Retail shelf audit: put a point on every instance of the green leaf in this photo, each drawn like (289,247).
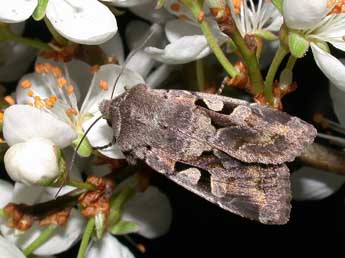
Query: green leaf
(40,10)
(124,227)
(298,45)
(278,4)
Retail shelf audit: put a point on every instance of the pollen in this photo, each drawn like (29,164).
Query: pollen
(338,6)
(1,117)
(71,112)
(38,102)
(56,71)
(61,82)
(237,5)
(41,68)
(175,7)
(94,68)
(9,100)
(30,93)
(25,84)
(103,85)
(70,89)
(50,102)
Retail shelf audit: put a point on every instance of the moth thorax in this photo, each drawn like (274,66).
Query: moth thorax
(104,107)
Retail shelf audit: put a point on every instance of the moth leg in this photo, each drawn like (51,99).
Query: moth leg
(105,146)
(221,88)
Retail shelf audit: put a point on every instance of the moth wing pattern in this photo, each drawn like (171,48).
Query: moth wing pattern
(228,151)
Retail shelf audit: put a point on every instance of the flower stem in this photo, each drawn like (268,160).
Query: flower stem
(200,76)
(196,9)
(82,185)
(278,58)
(31,42)
(86,237)
(291,63)
(118,200)
(45,235)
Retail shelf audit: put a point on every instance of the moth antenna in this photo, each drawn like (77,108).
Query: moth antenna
(153,29)
(75,153)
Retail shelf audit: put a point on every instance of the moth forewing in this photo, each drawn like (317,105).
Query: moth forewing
(228,151)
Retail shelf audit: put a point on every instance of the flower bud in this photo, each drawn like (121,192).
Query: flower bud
(34,162)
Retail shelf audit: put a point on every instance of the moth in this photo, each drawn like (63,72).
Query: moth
(228,151)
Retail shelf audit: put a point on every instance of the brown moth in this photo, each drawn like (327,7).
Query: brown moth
(226,150)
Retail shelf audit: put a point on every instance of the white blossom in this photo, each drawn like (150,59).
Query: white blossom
(315,20)
(81,21)
(9,250)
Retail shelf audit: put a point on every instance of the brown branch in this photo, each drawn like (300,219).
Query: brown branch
(326,158)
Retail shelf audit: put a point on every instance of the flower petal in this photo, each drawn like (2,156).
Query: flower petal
(108,247)
(148,12)
(23,122)
(83,21)
(127,3)
(151,210)
(9,250)
(338,97)
(13,11)
(314,184)
(183,50)
(158,76)
(6,192)
(330,66)
(304,14)
(114,48)
(101,134)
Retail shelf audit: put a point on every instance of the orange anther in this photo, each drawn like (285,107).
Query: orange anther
(56,71)
(40,68)
(30,93)
(38,103)
(201,16)
(175,7)
(70,89)
(10,100)
(1,117)
(25,84)
(71,112)
(61,82)
(237,5)
(103,85)
(94,68)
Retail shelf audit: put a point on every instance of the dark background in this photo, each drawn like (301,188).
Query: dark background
(201,229)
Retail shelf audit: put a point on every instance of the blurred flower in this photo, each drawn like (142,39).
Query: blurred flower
(63,238)
(33,162)
(9,250)
(82,21)
(320,23)
(15,58)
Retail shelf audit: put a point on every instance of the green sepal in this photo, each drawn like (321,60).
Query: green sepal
(40,10)
(85,149)
(278,4)
(124,227)
(298,45)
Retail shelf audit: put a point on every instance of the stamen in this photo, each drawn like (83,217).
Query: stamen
(25,84)
(10,100)
(1,117)
(337,6)
(237,5)
(175,7)
(41,68)
(71,112)
(56,71)
(103,85)
(38,102)
(94,68)
(70,89)
(30,93)
(61,82)
(50,102)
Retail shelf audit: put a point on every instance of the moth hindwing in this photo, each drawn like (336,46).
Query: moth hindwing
(228,151)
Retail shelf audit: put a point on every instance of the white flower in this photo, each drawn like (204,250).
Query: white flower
(319,26)
(187,42)
(81,21)
(63,238)
(108,247)
(9,250)
(15,58)
(127,3)
(34,162)
(151,211)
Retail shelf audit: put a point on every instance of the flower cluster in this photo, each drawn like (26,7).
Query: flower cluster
(63,72)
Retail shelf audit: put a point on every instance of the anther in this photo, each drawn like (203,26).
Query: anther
(103,85)
(25,84)
(71,112)
(61,82)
